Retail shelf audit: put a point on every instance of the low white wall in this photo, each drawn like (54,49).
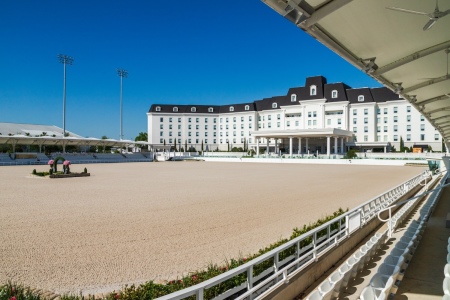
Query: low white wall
(224,154)
(374,162)
(401,155)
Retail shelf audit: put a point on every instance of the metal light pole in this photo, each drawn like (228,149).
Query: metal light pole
(65,60)
(122,73)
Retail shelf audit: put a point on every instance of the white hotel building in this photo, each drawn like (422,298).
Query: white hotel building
(317,118)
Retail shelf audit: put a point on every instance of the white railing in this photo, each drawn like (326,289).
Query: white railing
(263,274)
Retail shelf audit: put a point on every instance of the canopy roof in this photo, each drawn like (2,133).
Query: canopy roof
(389,45)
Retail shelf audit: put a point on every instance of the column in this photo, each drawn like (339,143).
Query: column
(257,146)
(307,150)
(328,146)
(342,146)
(267,150)
(335,145)
(290,146)
(384,149)
(300,146)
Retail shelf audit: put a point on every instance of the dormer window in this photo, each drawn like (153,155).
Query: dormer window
(247,107)
(231,108)
(274,105)
(313,90)
(293,98)
(158,108)
(175,109)
(334,94)
(361,98)
(193,109)
(210,109)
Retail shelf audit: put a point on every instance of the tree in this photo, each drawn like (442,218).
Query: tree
(202,145)
(402,145)
(142,137)
(185,145)
(175,144)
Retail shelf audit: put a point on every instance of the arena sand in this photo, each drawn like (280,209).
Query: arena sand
(134,222)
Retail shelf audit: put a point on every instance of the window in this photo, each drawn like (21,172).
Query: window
(234,133)
(313,90)
(378,128)
(214,141)
(422,118)
(161,141)
(360,98)
(242,119)
(170,126)
(395,138)
(226,120)
(309,114)
(293,98)
(242,126)
(234,126)
(170,133)
(395,119)
(269,117)
(175,109)
(378,111)
(278,124)
(179,126)
(366,138)
(210,109)
(422,127)
(274,105)
(197,120)
(378,120)
(250,125)
(355,129)
(197,134)
(249,118)
(408,108)
(196,127)
(189,127)
(206,141)
(179,133)
(189,120)
(242,133)
(408,127)
(189,133)
(214,134)
(354,120)
(385,129)
(206,127)
(366,111)
(314,122)
(161,119)
(206,120)
(231,108)
(408,118)
(234,119)
(220,120)
(278,117)
(161,133)
(422,137)
(158,108)
(366,120)
(354,112)
(247,107)
(334,94)
(339,121)
(385,120)
(179,120)
(179,141)
(296,123)
(161,126)
(288,123)
(269,125)
(215,120)
(170,141)
(366,129)
(328,121)
(226,127)
(436,137)
(309,122)
(314,114)
(378,138)
(395,128)
(395,109)
(193,109)
(189,141)
(408,137)
(385,111)
(196,141)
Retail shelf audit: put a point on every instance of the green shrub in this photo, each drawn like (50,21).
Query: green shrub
(85,170)
(50,171)
(34,172)
(351,154)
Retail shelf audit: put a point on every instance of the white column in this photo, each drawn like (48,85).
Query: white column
(342,145)
(267,150)
(307,150)
(290,146)
(328,146)
(299,145)
(335,145)
(257,146)
(384,149)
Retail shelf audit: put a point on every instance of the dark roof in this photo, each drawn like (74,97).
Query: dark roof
(324,90)
(384,94)
(353,95)
(340,88)
(240,107)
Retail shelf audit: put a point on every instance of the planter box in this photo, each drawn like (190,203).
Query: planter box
(70,175)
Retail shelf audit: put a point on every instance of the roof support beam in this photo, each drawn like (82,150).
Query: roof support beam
(440,118)
(412,57)
(426,83)
(431,100)
(436,111)
(325,11)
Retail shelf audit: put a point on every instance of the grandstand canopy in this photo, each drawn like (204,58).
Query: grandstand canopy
(30,134)
(388,44)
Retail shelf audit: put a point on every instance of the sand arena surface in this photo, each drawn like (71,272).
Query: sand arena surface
(134,222)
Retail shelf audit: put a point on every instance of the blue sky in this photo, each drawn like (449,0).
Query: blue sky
(184,52)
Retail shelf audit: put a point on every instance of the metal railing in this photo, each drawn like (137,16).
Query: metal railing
(263,274)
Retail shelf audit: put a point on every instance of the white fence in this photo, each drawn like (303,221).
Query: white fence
(261,275)
(410,156)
